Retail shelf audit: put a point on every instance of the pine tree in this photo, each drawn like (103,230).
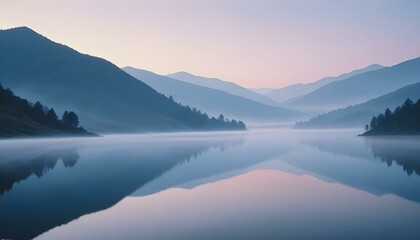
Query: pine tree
(70,119)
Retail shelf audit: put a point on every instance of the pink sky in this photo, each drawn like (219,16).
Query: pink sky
(263,43)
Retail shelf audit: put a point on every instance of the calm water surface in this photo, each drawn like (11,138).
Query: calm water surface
(265,184)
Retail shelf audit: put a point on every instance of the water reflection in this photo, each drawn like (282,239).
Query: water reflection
(404,151)
(22,167)
(215,164)
(103,171)
(106,172)
(262,204)
(352,161)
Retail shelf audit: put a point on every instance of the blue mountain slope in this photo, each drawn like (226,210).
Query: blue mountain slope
(106,98)
(214,101)
(360,88)
(225,86)
(360,114)
(297,90)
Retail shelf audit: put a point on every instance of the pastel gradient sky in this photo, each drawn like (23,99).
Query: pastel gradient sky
(259,43)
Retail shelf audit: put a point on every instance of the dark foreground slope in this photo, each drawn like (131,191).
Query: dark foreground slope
(19,118)
(106,98)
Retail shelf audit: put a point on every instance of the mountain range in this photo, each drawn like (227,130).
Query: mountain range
(225,86)
(297,90)
(214,101)
(359,88)
(262,90)
(361,114)
(106,98)
(109,99)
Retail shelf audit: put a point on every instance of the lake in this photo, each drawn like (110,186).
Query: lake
(259,184)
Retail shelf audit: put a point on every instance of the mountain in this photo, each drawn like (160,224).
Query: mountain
(19,118)
(359,88)
(213,101)
(404,120)
(360,114)
(300,89)
(262,90)
(224,86)
(106,98)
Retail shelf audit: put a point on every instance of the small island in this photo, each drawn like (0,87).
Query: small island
(20,118)
(404,120)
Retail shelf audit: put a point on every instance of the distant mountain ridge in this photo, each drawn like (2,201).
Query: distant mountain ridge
(262,90)
(106,98)
(213,101)
(359,88)
(297,90)
(225,86)
(358,115)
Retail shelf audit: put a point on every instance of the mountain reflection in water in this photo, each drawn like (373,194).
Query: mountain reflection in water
(51,182)
(107,170)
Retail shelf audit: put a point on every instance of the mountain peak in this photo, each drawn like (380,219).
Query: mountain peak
(49,72)
(23,32)
(183,73)
(375,66)
(222,85)
(22,29)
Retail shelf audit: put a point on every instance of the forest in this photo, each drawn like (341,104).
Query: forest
(19,117)
(404,120)
(197,119)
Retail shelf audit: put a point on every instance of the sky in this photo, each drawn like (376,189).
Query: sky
(259,43)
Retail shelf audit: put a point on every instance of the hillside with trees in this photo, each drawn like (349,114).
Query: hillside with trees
(20,118)
(107,99)
(214,101)
(357,115)
(199,120)
(359,88)
(404,120)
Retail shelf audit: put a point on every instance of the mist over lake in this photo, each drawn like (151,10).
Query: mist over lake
(242,185)
(210,120)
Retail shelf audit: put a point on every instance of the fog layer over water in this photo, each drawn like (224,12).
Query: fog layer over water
(247,185)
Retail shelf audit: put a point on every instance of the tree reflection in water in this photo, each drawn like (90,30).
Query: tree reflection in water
(405,153)
(21,168)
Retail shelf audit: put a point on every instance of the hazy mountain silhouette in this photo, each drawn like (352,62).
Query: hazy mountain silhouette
(297,90)
(106,98)
(20,118)
(262,90)
(360,114)
(213,101)
(360,88)
(224,86)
